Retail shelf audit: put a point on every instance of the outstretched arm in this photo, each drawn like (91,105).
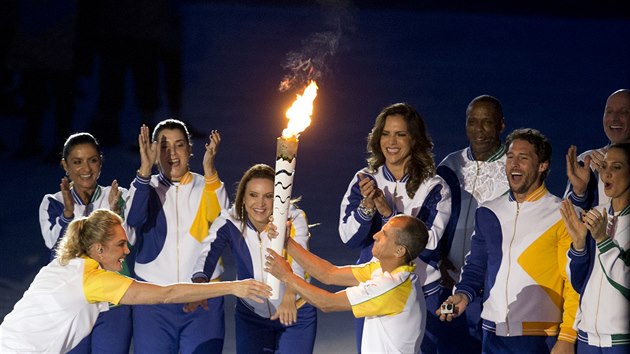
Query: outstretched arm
(319,268)
(140,293)
(322,299)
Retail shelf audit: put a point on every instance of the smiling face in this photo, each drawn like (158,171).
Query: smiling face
(396,142)
(83,167)
(484,124)
(114,250)
(258,201)
(524,171)
(617,117)
(615,174)
(174,153)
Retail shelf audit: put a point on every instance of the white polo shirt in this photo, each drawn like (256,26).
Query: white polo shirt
(60,307)
(394,313)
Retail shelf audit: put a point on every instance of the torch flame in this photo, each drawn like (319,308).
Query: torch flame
(299,114)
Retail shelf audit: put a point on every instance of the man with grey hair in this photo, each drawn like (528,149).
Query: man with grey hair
(382,290)
(585,189)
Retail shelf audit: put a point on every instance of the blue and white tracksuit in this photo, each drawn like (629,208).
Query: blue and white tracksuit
(431,204)
(472,182)
(169,227)
(595,189)
(114,322)
(255,332)
(518,258)
(600,273)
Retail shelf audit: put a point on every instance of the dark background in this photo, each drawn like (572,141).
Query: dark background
(552,65)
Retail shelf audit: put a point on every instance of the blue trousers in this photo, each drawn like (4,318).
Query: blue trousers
(493,344)
(111,333)
(167,329)
(256,334)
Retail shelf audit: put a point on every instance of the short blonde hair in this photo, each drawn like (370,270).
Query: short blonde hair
(82,233)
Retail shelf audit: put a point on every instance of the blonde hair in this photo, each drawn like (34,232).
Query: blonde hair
(82,233)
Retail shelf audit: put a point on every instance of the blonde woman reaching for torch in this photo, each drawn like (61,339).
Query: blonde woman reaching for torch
(61,305)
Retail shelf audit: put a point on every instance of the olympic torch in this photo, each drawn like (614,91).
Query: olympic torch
(299,116)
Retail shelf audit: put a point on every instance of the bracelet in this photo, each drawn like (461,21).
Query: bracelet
(141,175)
(369,212)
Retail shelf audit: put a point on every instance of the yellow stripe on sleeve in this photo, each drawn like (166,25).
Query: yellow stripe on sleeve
(100,285)
(209,209)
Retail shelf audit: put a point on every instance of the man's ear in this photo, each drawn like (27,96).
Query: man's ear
(543,166)
(400,251)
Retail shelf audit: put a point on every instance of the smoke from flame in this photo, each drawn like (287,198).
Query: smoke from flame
(299,114)
(313,61)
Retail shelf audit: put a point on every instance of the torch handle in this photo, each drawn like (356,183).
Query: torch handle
(283,184)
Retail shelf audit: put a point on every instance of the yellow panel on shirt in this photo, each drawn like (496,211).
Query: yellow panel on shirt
(100,285)
(379,294)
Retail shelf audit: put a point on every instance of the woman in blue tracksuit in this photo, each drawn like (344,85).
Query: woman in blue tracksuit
(169,217)
(400,179)
(79,195)
(598,265)
(280,325)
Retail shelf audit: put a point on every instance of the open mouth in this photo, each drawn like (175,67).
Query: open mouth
(259,210)
(516,176)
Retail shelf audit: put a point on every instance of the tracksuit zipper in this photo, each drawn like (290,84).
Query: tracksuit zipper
(509,262)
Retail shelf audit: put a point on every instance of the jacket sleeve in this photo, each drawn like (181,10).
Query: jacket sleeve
(354,225)
(570,296)
(452,181)
(475,265)
(137,210)
(51,221)
(435,212)
(213,200)
(578,266)
(219,237)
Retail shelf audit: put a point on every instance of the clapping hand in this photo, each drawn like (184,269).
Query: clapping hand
(114,197)
(578,175)
(596,222)
(575,227)
(68,202)
(148,151)
(212,147)
(373,197)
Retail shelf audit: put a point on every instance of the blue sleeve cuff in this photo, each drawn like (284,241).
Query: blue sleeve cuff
(363,216)
(63,221)
(469,295)
(200,275)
